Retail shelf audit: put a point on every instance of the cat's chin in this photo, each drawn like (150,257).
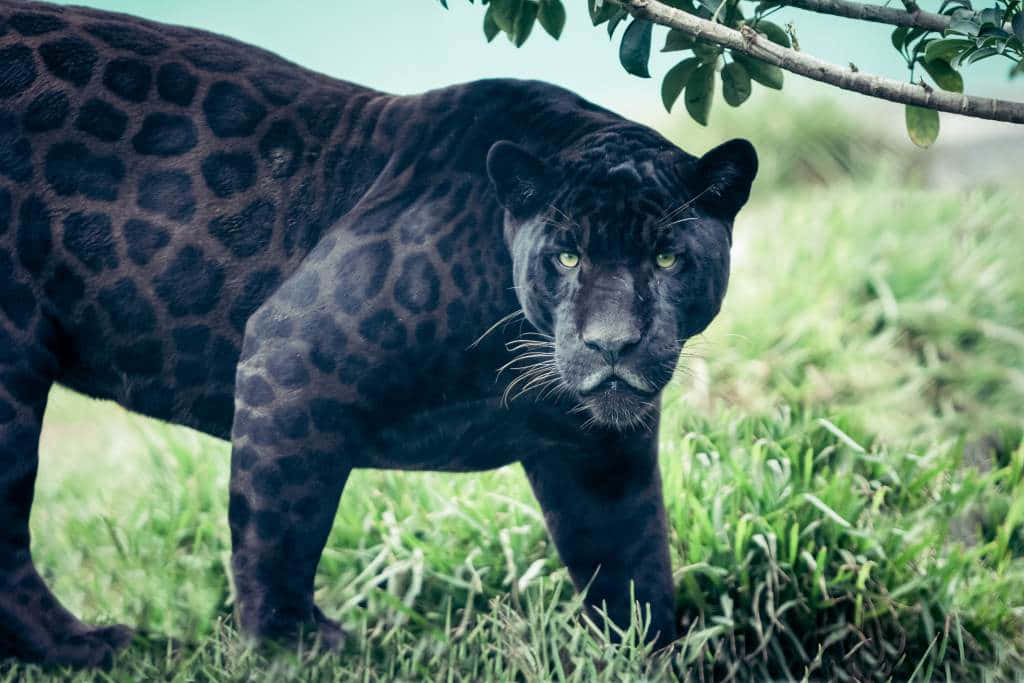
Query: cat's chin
(618,405)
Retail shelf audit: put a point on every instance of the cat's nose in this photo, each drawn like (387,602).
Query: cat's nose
(611,341)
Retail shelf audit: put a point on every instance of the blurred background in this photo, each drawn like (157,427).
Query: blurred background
(877,297)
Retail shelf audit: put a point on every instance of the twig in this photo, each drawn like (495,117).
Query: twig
(876,13)
(749,42)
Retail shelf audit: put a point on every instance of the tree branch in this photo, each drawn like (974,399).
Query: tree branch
(749,42)
(876,13)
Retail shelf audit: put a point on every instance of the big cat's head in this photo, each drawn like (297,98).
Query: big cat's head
(620,250)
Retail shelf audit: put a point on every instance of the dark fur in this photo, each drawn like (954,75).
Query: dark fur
(210,235)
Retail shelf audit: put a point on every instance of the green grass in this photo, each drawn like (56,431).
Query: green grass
(842,456)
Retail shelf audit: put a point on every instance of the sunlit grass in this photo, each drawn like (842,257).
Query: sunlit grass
(900,308)
(842,464)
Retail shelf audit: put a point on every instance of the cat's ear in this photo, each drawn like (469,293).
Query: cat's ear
(522,181)
(723,177)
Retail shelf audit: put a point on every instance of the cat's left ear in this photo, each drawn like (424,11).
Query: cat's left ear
(521,180)
(725,175)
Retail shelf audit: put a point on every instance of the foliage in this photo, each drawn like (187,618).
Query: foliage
(973,35)
(842,459)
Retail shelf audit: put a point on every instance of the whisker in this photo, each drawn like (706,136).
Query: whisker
(682,208)
(686,219)
(543,380)
(523,357)
(569,221)
(552,388)
(515,383)
(669,214)
(507,319)
(529,344)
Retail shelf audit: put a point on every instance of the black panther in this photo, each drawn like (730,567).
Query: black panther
(333,277)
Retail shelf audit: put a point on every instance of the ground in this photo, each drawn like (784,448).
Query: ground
(842,457)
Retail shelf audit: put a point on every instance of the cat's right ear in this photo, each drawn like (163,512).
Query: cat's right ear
(727,172)
(522,181)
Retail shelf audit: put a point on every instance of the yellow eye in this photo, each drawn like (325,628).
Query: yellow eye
(569,259)
(665,260)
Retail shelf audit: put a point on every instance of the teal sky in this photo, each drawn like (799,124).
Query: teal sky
(407,46)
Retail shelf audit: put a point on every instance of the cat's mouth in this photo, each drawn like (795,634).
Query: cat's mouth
(616,385)
(610,380)
(616,401)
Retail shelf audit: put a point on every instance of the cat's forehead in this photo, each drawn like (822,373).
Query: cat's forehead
(624,191)
(627,201)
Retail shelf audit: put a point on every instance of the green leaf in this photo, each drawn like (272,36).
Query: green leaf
(981,54)
(706,52)
(944,75)
(713,6)
(766,5)
(505,13)
(764,73)
(914,34)
(954,4)
(675,80)
(524,22)
(1018,25)
(733,16)
(600,10)
(899,37)
(700,90)
(491,29)
(996,36)
(946,48)
(773,32)
(735,84)
(922,125)
(552,17)
(613,23)
(677,40)
(992,16)
(966,26)
(635,49)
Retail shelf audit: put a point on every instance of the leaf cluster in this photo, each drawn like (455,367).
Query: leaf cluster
(696,77)
(972,36)
(515,18)
(705,67)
